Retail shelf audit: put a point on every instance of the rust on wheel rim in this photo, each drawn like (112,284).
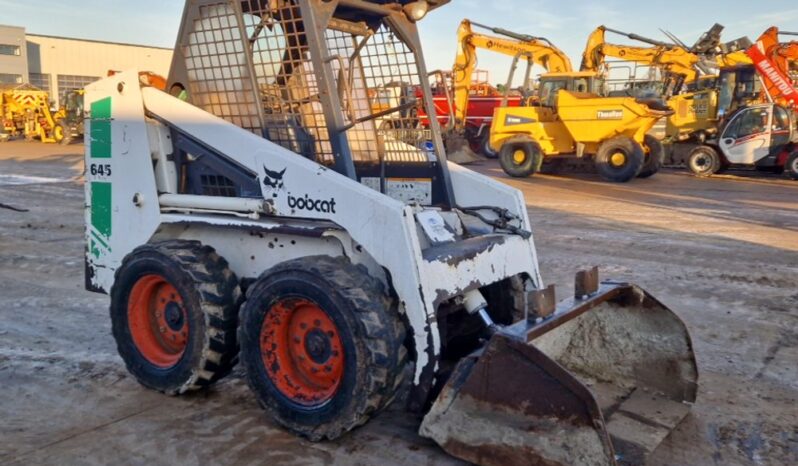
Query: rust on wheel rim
(302,351)
(158,321)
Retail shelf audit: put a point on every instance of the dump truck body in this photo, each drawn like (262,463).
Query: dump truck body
(577,118)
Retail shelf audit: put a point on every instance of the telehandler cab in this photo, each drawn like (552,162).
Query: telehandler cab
(268,220)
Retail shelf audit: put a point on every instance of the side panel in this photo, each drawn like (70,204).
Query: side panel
(118,170)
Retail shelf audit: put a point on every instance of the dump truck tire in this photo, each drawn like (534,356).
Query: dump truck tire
(654,158)
(619,159)
(704,161)
(323,345)
(520,158)
(484,146)
(174,314)
(791,168)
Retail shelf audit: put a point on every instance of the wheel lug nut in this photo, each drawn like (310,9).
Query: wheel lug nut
(163,329)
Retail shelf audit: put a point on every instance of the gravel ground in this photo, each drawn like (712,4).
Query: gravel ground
(722,253)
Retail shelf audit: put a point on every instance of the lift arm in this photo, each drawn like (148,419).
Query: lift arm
(784,55)
(778,85)
(537,49)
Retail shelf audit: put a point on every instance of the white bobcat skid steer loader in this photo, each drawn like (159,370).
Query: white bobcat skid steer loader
(268,221)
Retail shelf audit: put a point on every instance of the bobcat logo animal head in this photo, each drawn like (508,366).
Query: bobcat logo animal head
(273,179)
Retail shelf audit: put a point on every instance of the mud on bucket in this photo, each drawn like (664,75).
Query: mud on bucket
(601,381)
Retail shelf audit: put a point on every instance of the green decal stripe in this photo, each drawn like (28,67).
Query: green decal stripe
(101,208)
(101,129)
(96,237)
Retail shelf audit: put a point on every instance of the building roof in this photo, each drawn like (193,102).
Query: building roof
(97,41)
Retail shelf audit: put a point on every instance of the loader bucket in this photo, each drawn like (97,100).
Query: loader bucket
(601,381)
(458,150)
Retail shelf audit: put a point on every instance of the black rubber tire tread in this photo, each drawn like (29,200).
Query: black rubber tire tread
(654,159)
(484,146)
(532,163)
(379,324)
(715,162)
(634,154)
(215,293)
(791,167)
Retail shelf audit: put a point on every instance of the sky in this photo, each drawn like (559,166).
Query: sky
(566,23)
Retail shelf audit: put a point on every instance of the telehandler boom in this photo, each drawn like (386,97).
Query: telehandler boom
(266,219)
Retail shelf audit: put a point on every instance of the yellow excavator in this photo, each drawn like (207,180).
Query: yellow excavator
(701,83)
(570,118)
(470,116)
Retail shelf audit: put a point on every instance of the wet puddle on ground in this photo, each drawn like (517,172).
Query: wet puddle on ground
(18,180)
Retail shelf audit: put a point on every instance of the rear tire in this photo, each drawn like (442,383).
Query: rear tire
(174,315)
(322,344)
(520,158)
(654,157)
(704,161)
(791,168)
(619,159)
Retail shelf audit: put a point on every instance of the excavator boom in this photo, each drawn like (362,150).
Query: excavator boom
(536,49)
(669,57)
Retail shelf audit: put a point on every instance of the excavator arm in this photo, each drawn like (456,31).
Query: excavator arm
(668,57)
(536,49)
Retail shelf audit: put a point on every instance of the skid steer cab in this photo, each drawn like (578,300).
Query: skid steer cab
(572,120)
(265,218)
(760,136)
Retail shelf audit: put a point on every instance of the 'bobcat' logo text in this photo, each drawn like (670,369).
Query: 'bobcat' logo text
(312,205)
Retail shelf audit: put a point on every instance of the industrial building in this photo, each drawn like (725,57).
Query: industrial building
(61,64)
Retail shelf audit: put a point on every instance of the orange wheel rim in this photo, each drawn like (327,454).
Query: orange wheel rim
(158,321)
(302,351)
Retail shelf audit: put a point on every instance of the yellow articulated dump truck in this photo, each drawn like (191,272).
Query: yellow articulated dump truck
(571,119)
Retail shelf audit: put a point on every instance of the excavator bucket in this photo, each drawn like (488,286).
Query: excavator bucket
(458,150)
(602,379)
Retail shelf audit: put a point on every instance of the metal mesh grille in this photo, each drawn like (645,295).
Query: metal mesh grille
(371,77)
(217,185)
(216,64)
(293,115)
(384,76)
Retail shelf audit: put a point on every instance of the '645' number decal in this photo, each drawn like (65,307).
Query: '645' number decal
(100,169)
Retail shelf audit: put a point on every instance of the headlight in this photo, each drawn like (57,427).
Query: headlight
(416,11)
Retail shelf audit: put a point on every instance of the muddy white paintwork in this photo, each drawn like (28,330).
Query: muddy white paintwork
(354,220)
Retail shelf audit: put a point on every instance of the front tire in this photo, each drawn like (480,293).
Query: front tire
(619,159)
(791,168)
(322,344)
(521,158)
(174,315)
(654,157)
(704,161)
